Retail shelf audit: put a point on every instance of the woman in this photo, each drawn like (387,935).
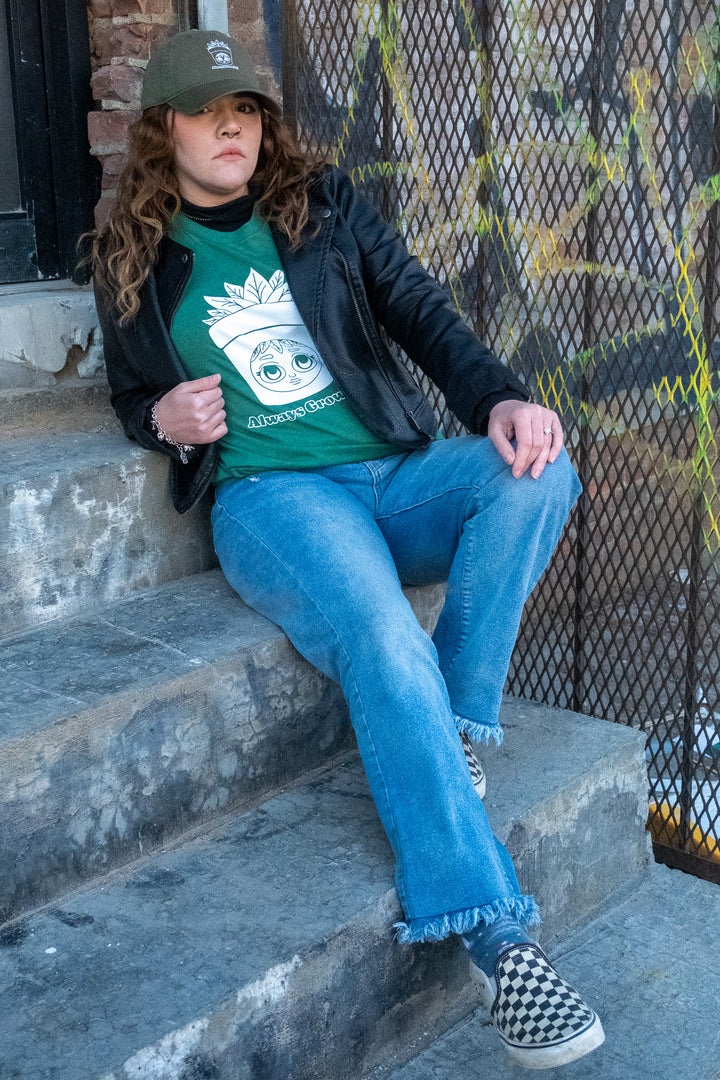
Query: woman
(241,288)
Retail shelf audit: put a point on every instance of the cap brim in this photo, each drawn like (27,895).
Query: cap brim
(197,97)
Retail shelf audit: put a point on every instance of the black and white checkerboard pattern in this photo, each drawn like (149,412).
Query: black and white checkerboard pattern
(534,1007)
(477,772)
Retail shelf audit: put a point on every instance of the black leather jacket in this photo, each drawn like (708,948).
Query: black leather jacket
(352,275)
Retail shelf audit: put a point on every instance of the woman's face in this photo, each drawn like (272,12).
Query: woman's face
(216,151)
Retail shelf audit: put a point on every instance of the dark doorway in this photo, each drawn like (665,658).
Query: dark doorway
(49,183)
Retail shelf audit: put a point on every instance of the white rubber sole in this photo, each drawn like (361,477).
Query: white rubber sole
(546,1057)
(560,1054)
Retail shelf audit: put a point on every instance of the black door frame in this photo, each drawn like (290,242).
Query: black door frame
(59,179)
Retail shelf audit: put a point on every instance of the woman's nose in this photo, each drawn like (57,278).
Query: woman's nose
(230,123)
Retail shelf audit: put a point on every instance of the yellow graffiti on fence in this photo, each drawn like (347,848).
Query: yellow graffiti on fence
(512,199)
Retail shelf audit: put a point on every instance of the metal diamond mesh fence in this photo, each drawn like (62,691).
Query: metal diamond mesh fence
(557,168)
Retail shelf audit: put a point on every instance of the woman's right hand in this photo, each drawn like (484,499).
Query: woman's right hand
(193,412)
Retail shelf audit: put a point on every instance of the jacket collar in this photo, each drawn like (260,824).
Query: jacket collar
(305,276)
(304,269)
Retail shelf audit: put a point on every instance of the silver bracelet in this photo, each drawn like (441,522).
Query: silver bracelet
(183,449)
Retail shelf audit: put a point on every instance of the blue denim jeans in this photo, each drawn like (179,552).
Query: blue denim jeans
(324,554)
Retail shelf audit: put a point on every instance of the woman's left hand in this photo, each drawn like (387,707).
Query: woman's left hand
(537,433)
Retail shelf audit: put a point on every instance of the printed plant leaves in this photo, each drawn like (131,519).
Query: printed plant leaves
(256,290)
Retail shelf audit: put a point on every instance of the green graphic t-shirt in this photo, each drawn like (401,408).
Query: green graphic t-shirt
(237,317)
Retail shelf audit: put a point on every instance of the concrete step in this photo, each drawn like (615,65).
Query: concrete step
(48,331)
(123,728)
(263,950)
(73,405)
(86,518)
(648,966)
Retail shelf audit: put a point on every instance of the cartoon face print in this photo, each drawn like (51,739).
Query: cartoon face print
(263,336)
(283,366)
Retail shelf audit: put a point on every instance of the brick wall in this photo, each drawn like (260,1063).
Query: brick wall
(123,34)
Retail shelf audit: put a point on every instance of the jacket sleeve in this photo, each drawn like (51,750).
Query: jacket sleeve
(418,316)
(137,380)
(130,395)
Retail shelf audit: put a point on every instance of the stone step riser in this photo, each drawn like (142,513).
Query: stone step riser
(646,966)
(349,1006)
(87,519)
(74,405)
(262,950)
(48,332)
(576,832)
(115,783)
(152,719)
(265,948)
(334,1013)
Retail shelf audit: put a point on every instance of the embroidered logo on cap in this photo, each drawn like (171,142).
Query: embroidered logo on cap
(222,55)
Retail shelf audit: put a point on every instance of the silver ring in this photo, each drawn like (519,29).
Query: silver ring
(547,431)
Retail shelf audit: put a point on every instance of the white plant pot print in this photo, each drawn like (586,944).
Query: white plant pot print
(260,330)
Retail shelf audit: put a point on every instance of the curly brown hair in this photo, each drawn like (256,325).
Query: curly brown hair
(123,252)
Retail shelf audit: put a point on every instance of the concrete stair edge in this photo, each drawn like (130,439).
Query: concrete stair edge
(47,329)
(329,994)
(585,838)
(72,405)
(646,964)
(86,518)
(158,713)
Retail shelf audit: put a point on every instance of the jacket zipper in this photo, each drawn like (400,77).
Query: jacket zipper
(181,289)
(363,322)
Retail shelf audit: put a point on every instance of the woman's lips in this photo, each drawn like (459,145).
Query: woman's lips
(230,154)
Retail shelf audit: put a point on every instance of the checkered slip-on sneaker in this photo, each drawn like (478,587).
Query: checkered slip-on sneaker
(541,1021)
(477,773)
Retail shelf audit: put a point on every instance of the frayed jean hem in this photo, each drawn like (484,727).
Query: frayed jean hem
(480,733)
(522,908)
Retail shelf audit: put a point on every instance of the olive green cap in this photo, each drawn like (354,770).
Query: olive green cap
(193,68)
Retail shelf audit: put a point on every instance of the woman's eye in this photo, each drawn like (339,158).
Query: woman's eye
(271,372)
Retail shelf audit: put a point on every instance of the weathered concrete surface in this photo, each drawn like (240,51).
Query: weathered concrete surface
(85,519)
(648,966)
(73,405)
(40,326)
(573,797)
(263,951)
(122,729)
(242,955)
